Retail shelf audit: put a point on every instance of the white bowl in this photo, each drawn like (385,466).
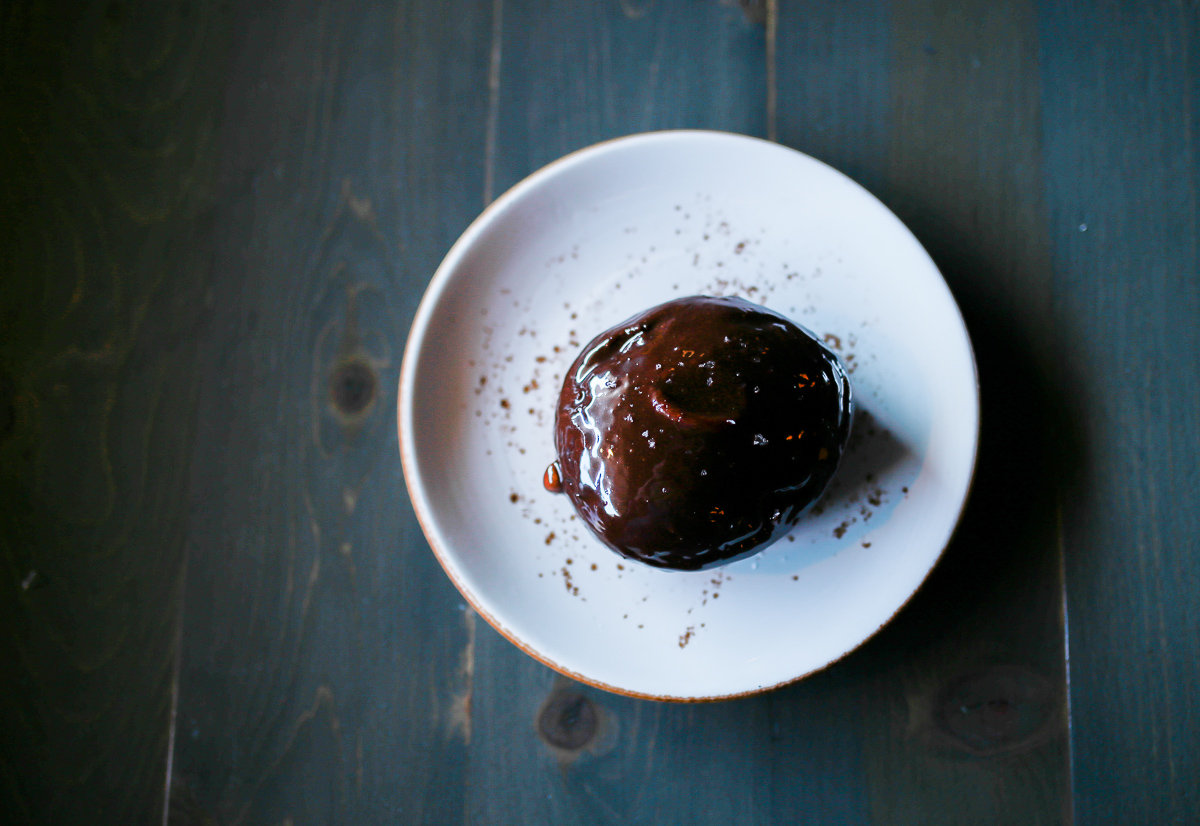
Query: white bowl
(609,231)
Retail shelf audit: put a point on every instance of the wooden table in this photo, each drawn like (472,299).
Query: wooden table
(218,219)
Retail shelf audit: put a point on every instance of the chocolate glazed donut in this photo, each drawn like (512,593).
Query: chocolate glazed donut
(698,431)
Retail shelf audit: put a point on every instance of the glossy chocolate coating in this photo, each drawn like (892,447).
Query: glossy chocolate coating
(698,431)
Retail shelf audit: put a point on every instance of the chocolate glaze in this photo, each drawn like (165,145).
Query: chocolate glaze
(699,430)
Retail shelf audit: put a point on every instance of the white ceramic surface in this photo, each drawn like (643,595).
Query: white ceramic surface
(607,232)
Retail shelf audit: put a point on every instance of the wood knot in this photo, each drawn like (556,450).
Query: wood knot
(997,710)
(352,388)
(567,720)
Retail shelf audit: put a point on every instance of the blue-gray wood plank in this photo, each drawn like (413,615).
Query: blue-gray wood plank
(106,120)
(322,675)
(217,224)
(1120,116)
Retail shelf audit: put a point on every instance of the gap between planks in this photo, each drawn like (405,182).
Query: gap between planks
(493,110)
(772,27)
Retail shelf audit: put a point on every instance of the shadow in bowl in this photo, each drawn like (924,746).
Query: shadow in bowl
(870,481)
(873,453)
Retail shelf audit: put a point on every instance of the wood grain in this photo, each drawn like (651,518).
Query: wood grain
(326,672)
(577,73)
(107,151)
(1122,97)
(217,222)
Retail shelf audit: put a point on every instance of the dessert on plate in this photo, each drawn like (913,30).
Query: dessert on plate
(698,431)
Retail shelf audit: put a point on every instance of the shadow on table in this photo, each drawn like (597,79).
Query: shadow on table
(982,639)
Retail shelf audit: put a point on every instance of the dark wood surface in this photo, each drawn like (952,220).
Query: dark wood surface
(217,221)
